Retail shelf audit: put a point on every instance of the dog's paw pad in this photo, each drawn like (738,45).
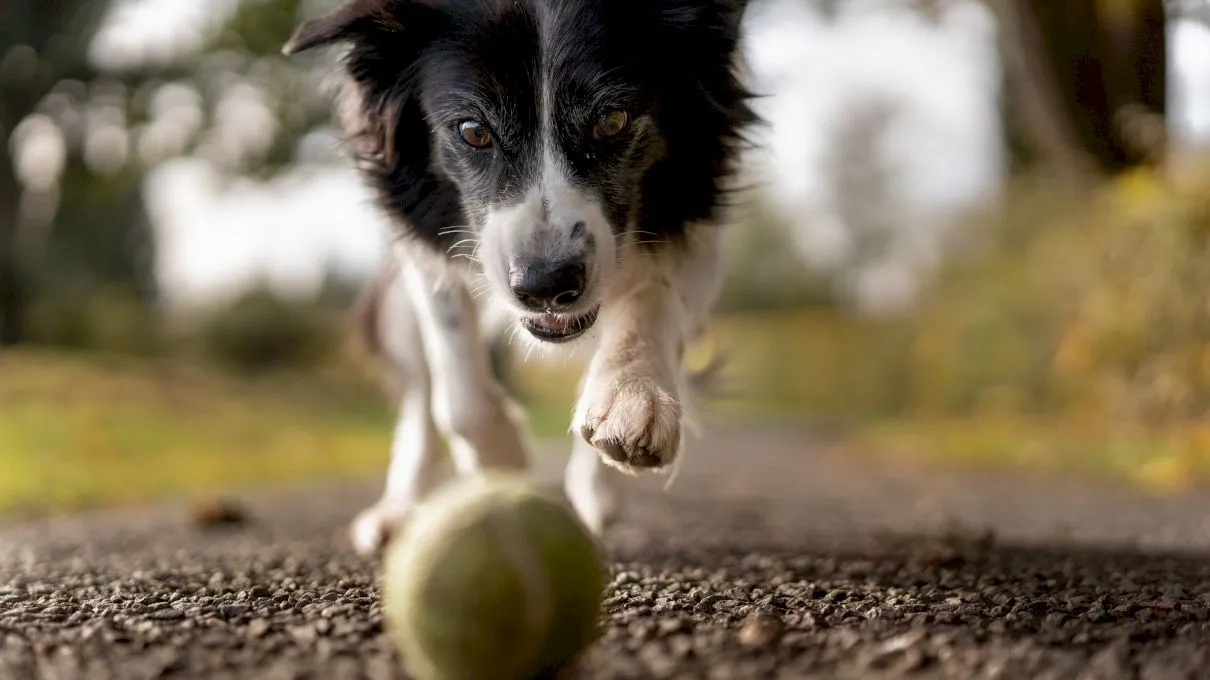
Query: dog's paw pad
(640,457)
(635,424)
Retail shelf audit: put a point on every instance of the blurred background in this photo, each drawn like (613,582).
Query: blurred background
(976,234)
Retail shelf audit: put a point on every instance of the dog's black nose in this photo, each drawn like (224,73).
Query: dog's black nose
(547,287)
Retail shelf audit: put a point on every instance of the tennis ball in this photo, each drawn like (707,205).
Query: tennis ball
(493,578)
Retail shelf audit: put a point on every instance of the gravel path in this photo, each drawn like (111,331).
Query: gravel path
(769,558)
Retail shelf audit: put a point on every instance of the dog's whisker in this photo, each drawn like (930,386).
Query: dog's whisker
(461,243)
(446,231)
(512,334)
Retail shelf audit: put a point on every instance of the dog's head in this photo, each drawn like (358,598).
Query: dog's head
(548,140)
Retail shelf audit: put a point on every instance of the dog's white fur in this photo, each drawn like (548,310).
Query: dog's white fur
(434,333)
(539,228)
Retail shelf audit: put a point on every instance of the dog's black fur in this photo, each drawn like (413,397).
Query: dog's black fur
(583,150)
(423,67)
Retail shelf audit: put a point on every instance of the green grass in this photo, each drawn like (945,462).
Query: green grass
(80,430)
(1177,459)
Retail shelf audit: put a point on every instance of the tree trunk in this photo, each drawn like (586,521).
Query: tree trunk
(12,298)
(1091,79)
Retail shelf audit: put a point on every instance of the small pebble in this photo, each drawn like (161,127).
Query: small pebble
(761,629)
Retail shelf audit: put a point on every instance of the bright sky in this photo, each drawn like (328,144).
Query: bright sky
(215,239)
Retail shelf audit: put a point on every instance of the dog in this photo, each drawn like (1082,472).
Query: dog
(554,169)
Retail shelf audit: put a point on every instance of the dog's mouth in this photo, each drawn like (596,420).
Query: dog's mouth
(557,328)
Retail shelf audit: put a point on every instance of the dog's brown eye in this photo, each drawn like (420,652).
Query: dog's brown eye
(610,124)
(475,133)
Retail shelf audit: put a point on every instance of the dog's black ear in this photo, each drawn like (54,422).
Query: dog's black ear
(736,7)
(338,25)
(734,10)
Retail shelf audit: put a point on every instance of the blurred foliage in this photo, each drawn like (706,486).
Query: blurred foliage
(261,331)
(1160,461)
(86,226)
(1084,307)
(764,272)
(242,68)
(110,319)
(80,429)
(1073,335)
(1096,313)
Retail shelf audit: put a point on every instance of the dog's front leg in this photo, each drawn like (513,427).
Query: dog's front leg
(416,452)
(630,408)
(431,338)
(469,405)
(588,486)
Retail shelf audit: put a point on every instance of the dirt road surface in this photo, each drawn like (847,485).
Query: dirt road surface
(769,558)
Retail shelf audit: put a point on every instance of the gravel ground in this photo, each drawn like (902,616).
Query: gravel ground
(769,558)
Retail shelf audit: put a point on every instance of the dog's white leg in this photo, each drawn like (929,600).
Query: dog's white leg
(589,486)
(630,408)
(468,404)
(416,453)
(415,468)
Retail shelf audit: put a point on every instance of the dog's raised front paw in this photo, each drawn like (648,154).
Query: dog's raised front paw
(375,526)
(632,421)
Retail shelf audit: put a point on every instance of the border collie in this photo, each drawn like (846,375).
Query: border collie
(553,167)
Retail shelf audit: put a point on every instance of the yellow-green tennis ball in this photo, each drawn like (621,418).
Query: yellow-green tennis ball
(493,578)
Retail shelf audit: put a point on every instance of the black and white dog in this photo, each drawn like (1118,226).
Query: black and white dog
(556,167)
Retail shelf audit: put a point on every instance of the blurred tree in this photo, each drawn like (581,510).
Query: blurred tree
(72,215)
(36,52)
(11,297)
(1090,78)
